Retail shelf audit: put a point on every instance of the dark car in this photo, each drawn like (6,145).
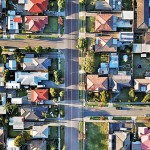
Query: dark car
(119,108)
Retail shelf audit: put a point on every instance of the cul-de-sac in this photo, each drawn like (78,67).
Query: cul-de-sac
(74,74)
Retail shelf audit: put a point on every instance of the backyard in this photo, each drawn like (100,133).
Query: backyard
(90,24)
(96,136)
(52,26)
(140,66)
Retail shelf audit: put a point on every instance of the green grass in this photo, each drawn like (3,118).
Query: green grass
(12,133)
(54,65)
(53,6)
(104,58)
(90,24)
(62,108)
(145,66)
(80,145)
(90,5)
(62,135)
(121,118)
(81,24)
(81,126)
(52,26)
(96,136)
(21,93)
(53,132)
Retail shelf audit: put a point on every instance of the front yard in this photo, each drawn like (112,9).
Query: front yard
(96,136)
(90,24)
(52,26)
(140,66)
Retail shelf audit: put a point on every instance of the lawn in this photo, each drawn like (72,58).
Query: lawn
(21,93)
(90,5)
(82,24)
(139,71)
(53,132)
(90,24)
(96,136)
(62,64)
(104,58)
(52,26)
(62,134)
(12,133)
(124,95)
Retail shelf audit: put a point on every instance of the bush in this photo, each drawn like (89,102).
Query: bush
(146,98)
(81,44)
(53,92)
(19,141)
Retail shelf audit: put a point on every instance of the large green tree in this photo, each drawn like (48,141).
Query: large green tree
(146,98)
(53,92)
(38,49)
(104,96)
(19,141)
(61,3)
(81,44)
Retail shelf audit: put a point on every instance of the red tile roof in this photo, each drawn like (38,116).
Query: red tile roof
(39,95)
(18,19)
(35,23)
(95,83)
(104,22)
(37,6)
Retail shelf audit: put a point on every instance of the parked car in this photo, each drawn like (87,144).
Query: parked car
(147,115)
(119,108)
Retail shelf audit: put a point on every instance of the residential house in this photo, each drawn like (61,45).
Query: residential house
(20,100)
(39,132)
(33,113)
(10,144)
(30,78)
(120,81)
(37,145)
(106,44)
(39,95)
(104,69)
(96,83)
(113,61)
(142,85)
(1,135)
(122,140)
(105,22)
(13,22)
(36,6)
(143,14)
(144,135)
(11,65)
(18,122)
(126,36)
(36,64)
(108,5)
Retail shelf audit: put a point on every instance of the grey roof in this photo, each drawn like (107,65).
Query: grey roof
(36,63)
(37,145)
(103,5)
(18,122)
(142,14)
(33,113)
(122,140)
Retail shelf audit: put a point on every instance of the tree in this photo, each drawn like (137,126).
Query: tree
(146,98)
(57,75)
(11,108)
(61,94)
(131,93)
(104,96)
(61,3)
(82,2)
(64,147)
(53,147)
(53,92)
(38,49)
(2,146)
(6,75)
(28,48)
(19,141)
(81,44)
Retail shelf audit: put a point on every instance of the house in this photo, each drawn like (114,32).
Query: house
(113,61)
(36,6)
(136,145)
(126,36)
(119,81)
(37,145)
(141,48)
(1,135)
(39,95)
(19,100)
(122,140)
(12,85)
(36,64)
(10,144)
(11,65)
(35,23)
(142,85)
(108,5)
(18,122)
(105,22)
(95,83)
(144,135)
(33,113)
(39,132)
(106,44)
(13,22)
(104,69)
(147,38)
(142,14)
(30,78)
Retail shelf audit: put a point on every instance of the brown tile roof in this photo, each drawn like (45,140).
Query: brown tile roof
(105,44)
(142,14)
(95,83)
(104,22)
(147,38)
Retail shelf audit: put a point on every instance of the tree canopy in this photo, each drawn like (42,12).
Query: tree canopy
(61,3)
(146,98)
(53,92)
(19,141)
(81,44)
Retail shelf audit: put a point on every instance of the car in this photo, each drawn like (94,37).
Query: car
(119,108)
(147,115)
